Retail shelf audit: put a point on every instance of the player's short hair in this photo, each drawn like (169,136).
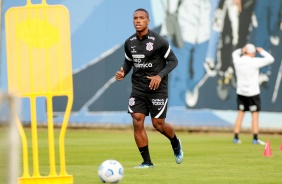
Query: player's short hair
(250,48)
(142,9)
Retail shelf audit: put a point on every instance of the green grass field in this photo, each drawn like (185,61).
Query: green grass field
(209,157)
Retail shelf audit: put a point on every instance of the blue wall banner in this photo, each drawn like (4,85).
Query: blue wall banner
(210,31)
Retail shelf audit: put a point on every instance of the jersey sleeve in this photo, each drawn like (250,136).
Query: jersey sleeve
(266,59)
(236,54)
(169,56)
(127,64)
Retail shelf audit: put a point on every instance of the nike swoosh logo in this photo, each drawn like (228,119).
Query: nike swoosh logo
(133,47)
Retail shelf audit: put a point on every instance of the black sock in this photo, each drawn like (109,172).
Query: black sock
(236,136)
(174,142)
(255,136)
(144,151)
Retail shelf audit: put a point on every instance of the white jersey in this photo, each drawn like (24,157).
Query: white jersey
(247,71)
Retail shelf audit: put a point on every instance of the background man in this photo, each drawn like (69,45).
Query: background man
(248,90)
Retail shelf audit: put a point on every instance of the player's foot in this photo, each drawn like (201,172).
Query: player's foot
(274,40)
(145,166)
(228,75)
(222,89)
(191,97)
(210,68)
(258,142)
(237,141)
(263,80)
(178,153)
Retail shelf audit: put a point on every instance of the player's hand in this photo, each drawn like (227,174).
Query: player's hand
(259,49)
(120,74)
(155,82)
(244,50)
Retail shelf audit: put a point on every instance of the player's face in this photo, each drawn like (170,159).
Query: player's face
(140,21)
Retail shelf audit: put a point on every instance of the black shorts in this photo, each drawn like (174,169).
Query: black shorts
(248,103)
(155,104)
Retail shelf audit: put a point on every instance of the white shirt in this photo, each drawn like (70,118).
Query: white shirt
(247,71)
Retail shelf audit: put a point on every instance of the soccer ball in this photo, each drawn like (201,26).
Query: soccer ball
(110,171)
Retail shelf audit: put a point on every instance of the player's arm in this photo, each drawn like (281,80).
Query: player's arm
(127,65)
(266,59)
(170,58)
(171,64)
(237,53)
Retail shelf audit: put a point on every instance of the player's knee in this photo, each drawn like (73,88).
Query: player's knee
(158,127)
(138,125)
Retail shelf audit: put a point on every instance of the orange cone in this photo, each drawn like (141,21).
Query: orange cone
(281,146)
(267,149)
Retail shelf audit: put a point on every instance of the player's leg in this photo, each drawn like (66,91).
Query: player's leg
(245,22)
(217,16)
(233,14)
(194,84)
(241,107)
(255,108)
(139,130)
(138,109)
(158,108)
(164,128)
(237,126)
(255,127)
(167,130)
(141,139)
(255,122)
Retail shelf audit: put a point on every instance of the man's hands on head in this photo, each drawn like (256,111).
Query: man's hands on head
(259,49)
(244,50)
(120,74)
(155,82)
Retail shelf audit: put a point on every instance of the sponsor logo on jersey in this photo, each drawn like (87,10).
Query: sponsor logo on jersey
(151,37)
(138,63)
(138,56)
(143,65)
(133,38)
(158,101)
(131,101)
(149,46)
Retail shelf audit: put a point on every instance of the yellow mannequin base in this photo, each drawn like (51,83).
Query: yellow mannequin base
(46,180)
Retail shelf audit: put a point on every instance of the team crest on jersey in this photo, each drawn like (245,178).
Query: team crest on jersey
(149,46)
(131,101)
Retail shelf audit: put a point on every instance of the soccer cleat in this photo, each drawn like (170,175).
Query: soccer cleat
(263,78)
(258,142)
(178,153)
(237,141)
(191,97)
(145,166)
(210,68)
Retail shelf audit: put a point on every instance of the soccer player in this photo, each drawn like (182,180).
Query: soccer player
(151,58)
(248,90)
